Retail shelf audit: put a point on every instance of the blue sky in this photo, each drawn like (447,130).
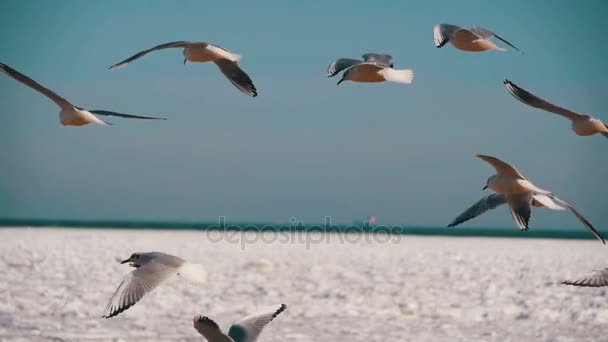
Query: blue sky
(304,147)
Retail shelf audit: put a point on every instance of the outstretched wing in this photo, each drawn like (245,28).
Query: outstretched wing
(341,64)
(249,328)
(129,116)
(379,58)
(487,203)
(581,218)
(209,329)
(536,102)
(597,278)
(487,34)
(135,285)
(60,101)
(520,206)
(442,33)
(145,52)
(501,167)
(237,76)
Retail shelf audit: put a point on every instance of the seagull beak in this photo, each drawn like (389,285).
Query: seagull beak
(125,261)
(485,187)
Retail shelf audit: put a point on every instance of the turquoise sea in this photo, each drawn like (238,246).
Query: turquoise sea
(353,228)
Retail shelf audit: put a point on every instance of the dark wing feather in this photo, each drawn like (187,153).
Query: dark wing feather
(487,34)
(129,116)
(341,64)
(520,208)
(596,278)
(536,102)
(60,101)
(145,52)
(487,203)
(209,329)
(237,76)
(135,285)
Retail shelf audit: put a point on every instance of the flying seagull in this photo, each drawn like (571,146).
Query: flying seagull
(374,67)
(476,39)
(247,329)
(151,269)
(202,52)
(520,194)
(70,115)
(597,278)
(583,125)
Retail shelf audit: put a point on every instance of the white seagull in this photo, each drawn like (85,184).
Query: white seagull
(247,329)
(374,67)
(597,278)
(70,115)
(151,269)
(202,52)
(582,124)
(520,194)
(474,40)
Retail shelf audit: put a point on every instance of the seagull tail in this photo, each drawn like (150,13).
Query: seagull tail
(194,273)
(399,76)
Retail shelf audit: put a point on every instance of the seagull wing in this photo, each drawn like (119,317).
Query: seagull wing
(581,218)
(129,116)
(341,64)
(487,34)
(379,58)
(209,329)
(237,76)
(536,102)
(487,203)
(520,207)
(502,168)
(136,284)
(60,101)
(442,33)
(596,278)
(249,328)
(179,44)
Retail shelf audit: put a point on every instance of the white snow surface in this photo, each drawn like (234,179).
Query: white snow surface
(55,284)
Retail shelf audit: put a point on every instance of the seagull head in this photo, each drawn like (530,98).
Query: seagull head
(488,182)
(135,260)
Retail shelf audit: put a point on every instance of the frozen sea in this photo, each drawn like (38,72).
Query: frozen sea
(55,284)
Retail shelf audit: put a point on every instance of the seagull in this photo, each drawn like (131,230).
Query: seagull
(202,52)
(520,194)
(597,278)
(476,39)
(70,115)
(151,269)
(374,67)
(583,125)
(244,330)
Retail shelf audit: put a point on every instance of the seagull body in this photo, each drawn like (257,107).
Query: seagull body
(373,68)
(69,115)
(151,269)
(247,329)
(596,278)
(476,39)
(201,52)
(520,194)
(582,124)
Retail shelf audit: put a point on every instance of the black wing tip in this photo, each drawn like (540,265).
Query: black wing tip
(280,310)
